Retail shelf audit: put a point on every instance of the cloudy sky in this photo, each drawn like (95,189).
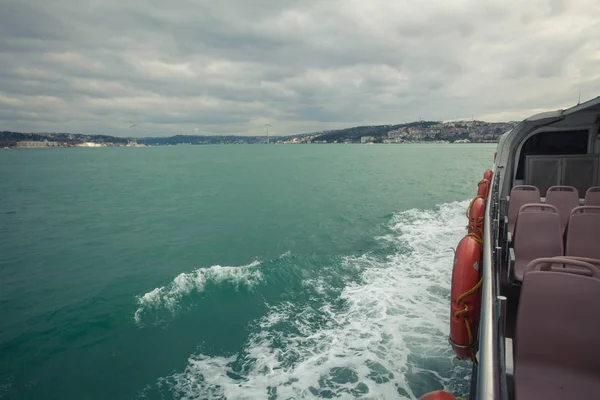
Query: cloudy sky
(231,66)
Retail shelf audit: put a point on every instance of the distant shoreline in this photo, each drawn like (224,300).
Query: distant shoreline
(414,132)
(234,144)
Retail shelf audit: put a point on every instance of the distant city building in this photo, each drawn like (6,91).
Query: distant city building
(367,139)
(395,134)
(31,144)
(394,140)
(89,144)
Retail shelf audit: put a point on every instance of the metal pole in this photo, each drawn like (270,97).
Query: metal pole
(487,380)
(502,316)
(267,126)
(502,311)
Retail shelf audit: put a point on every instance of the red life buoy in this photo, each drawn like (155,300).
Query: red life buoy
(437,395)
(483,188)
(464,297)
(488,174)
(476,214)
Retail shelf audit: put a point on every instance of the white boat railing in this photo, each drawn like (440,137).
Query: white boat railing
(491,356)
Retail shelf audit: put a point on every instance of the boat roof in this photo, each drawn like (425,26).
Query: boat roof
(590,106)
(579,115)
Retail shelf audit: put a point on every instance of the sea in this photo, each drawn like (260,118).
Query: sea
(232,271)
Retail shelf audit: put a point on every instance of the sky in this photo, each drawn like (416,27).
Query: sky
(230,67)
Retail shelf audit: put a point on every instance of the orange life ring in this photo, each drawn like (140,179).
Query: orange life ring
(483,187)
(464,297)
(476,215)
(437,395)
(488,174)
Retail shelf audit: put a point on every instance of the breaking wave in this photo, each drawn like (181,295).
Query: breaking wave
(169,297)
(382,333)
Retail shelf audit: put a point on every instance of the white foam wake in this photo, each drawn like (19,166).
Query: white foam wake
(382,336)
(168,297)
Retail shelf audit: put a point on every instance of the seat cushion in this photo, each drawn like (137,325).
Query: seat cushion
(548,382)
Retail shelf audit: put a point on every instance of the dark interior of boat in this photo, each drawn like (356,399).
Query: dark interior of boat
(547,259)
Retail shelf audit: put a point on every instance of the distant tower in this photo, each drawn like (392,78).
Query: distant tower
(135,128)
(267,126)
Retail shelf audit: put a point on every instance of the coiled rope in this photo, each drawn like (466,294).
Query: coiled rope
(466,309)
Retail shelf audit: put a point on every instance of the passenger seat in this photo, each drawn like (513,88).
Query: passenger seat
(520,195)
(592,196)
(583,233)
(557,351)
(538,233)
(564,198)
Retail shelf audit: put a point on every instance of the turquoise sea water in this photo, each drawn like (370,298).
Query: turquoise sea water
(231,271)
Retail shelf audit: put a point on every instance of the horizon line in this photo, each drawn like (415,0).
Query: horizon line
(242,135)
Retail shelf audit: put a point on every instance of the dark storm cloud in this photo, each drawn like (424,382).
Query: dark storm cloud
(232,66)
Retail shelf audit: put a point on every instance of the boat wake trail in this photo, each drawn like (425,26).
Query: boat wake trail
(169,297)
(380,333)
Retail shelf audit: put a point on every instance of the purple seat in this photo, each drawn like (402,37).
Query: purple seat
(557,351)
(564,198)
(583,233)
(538,233)
(575,265)
(594,261)
(519,195)
(592,196)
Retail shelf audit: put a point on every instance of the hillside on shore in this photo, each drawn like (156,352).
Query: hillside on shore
(421,131)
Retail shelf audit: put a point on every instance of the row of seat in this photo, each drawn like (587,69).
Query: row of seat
(539,233)
(564,198)
(557,351)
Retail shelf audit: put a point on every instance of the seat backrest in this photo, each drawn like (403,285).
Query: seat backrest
(558,324)
(583,233)
(575,265)
(538,233)
(593,261)
(565,198)
(592,196)
(519,195)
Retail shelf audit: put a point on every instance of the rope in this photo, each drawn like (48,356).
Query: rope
(471,204)
(471,343)
(487,189)
(468,293)
(475,236)
(467,325)
(473,221)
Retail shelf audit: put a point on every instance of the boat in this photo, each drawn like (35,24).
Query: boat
(525,302)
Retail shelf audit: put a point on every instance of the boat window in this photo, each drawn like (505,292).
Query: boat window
(553,143)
